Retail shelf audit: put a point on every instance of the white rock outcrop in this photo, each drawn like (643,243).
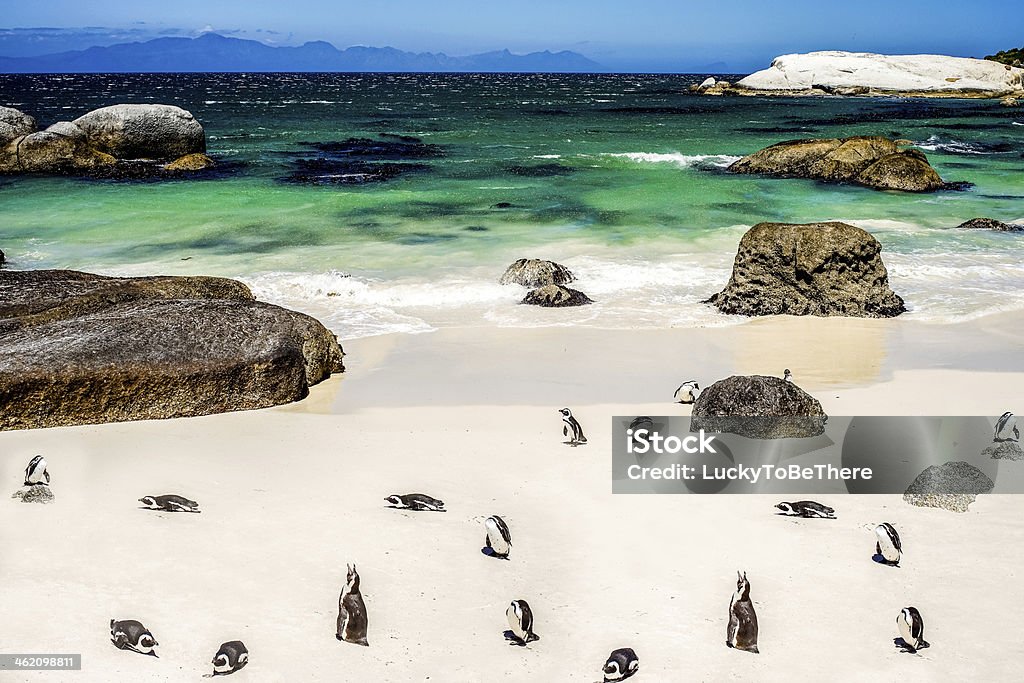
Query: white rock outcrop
(836,70)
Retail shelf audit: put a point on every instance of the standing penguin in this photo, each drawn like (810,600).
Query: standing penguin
(787,375)
(498,538)
(36,472)
(132,635)
(572,428)
(520,620)
(888,544)
(621,664)
(231,657)
(911,627)
(687,392)
(742,633)
(1006,429)
(352,619)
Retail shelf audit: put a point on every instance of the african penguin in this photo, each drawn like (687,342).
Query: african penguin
(132,635)
(742,630)
(169,503)
(520,620)
(621,664)
(36,472)
(911,627)
(352,621)
(787,375)
(498,538)
(416,501)
(888,544)
(1006,428)
(572,428)
(687,392)
(231,657)
(807,508)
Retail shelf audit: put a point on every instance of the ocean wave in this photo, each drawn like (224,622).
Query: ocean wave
(936,144)
(677,159)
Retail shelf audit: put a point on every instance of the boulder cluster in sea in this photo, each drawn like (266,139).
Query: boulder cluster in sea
(822,269)
(546,280)
(77,348)
(122,140)
(872,161)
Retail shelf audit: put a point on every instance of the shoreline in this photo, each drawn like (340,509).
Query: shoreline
(294,492)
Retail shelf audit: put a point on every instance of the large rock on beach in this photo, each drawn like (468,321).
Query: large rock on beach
(15,123)
(936,75)
(823,269)
(556,296)
(758,407)
(143,131)
(952,486)
(872,161)
(533,272)
(77,348)
(1004,450)
(40,493)
(991,224)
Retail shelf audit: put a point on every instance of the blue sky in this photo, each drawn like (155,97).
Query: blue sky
(642,35)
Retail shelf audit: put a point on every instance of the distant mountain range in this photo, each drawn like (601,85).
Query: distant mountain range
(213,52)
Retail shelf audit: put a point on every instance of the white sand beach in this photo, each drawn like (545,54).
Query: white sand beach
(291,494)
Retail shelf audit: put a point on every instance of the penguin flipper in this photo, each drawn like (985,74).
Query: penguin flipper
(565,430)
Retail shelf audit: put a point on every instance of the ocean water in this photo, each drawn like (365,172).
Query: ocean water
(617,176)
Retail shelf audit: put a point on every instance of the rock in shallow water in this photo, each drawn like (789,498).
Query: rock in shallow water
(556,296)
(873,161)
(952,486)
(758,407)
(532,272)
(822,269)
(143,131)
(77,348)
(990,224)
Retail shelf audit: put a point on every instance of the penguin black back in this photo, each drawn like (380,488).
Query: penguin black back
(36,472)
(621,664)
(352,620)
(911,626)
(498,539)
(231,657)
(572,428)
(416,502)
(520,621)
(129,634)
(742,630)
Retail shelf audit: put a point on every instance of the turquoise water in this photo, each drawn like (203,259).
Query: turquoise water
(617,176)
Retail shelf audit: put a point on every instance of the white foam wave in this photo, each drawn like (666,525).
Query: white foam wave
(677,159)
(630,293)
(936,144)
